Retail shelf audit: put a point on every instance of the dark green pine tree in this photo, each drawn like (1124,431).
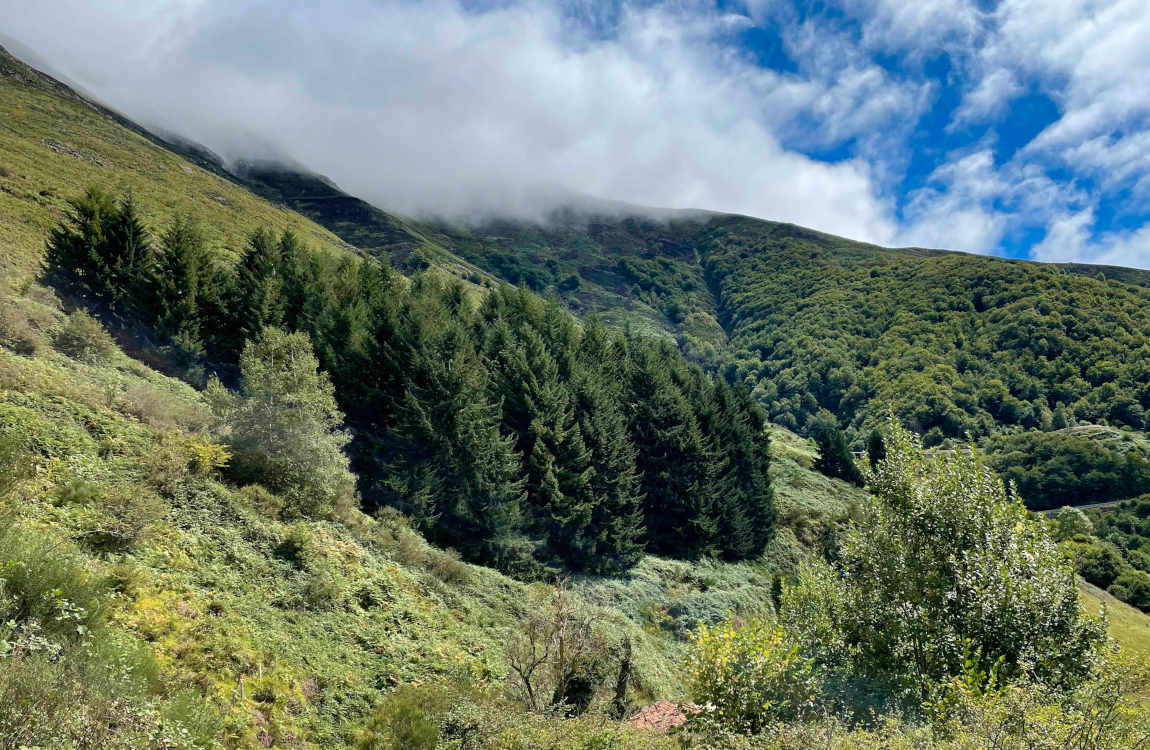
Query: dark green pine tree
(308,286)
(673,456)
(76,247)
(256,299)
(450,465)
(616,528)
(538,413)
(126,261)
(835,459)
(750,459)
(875,448)
(734,474)
(183,266)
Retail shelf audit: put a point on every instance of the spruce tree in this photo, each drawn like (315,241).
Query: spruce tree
(616,528)
(674,458)
(875,448)
(257,293)
(76,246)
(125,262)
(835,459)
(182,267)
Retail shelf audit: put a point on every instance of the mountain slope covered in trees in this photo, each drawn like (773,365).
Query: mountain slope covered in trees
(184,563)
(957,344)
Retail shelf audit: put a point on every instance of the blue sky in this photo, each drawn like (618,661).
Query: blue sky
(1018,128)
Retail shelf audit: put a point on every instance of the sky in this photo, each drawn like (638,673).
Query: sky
(1018,128)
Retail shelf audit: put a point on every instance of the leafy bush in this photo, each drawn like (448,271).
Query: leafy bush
(942,564)
(750,677)
(263,500)
(82,338)
(1072,521)
(447,566)
(298,545)
(65,680)
(285,428)
(1098,562)
(164,409)
(44,586)
(407,719)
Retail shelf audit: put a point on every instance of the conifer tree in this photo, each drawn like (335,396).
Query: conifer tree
(77,244)
(257,299)
(182,267)
(673,457)
(875,448)
(454,468)
(835,459)
(616,527)
(125,263)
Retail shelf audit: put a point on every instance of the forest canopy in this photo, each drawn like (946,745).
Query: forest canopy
(504,427)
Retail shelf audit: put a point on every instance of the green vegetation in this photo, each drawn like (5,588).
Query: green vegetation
(1072,467)
(186,564)
(1117,557)
(953,344)
(835,459)
(290,631)
(509,432)
(949,619)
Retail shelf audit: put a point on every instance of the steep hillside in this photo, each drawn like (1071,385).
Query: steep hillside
(954,343)
(54,144)
(291,631)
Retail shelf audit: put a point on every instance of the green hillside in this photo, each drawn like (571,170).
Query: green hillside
(279,547)
(954,343)
(54,145)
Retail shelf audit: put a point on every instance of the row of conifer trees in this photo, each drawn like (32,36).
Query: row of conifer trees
(504,427)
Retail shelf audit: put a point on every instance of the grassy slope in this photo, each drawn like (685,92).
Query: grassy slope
(1128,626)
(54,145)
(317,643)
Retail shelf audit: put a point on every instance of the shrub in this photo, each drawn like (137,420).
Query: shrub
(1071,522)
(1098,562)
(558,660)
(407,719)
(285,427)
(163,409)
(942,563)
(447,566)
(17,332)
(323,587)
(43,585)
(750,677)
(78,492)
(127,518)
(263,500)
(82,338)
(15,465)
(1135,585)
(298,545)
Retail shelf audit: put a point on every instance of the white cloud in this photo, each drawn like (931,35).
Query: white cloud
(1070,238)
(918,26)
(428,107)
(971,204)
(1094,59)
(988,98)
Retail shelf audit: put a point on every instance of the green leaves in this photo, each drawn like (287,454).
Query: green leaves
(943,561)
